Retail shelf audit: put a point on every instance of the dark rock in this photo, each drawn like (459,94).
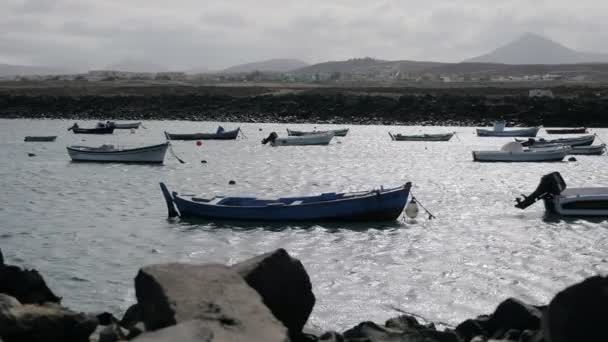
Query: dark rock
(45,324)
(27,286)
(131,316)
(187,331)
(231,182)
(106,318)
(515,314)
(572,159)
(331,336)
(372,332)
(1,258)
(215,295)
(407,322)
(475,327)
(203,162)
(530,336)
(579,313)
(31,154)
(111,333)
(7,302)
(136,330)
(512,335)
(284,285)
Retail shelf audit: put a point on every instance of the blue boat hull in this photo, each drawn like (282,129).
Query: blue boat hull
(374,206)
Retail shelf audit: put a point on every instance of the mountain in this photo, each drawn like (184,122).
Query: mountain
(132,65)
(367,65)
(534,49)
(276,65)
(27,70)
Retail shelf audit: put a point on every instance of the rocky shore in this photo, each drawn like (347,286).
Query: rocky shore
(455,107)
(269,298)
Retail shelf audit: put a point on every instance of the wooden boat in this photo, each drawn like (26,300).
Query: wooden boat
(220,134)
(154,154)
(376,205)
(312,139)
(499,131)
(584,140)
(578,150)
(97,130)
(40,138)
(116,125)
(577,130)
(337,132)
(422,137)
(565,201)
(514,152)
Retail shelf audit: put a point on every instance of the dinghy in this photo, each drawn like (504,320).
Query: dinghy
(312,139)
(97,130)
(130,125)
(422,137)
(108,153)
(40,138)
(584,140)
(578,150)
(499,131)
(220,134)
(375,205)
(514,152)
(567,201)
(577,130)
(337,132)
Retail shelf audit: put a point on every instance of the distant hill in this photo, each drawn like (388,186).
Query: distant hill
(534,49)
(131,65)
(367,65)
(271,65)
(8,70)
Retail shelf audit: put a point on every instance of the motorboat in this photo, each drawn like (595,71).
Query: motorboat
(337,132)
(514,152)
(97,130)
(584,140)
(578,150)
(575,130)
(154,154)
(422,137)
(117,125)
(311,139)
(40,138)
(500,131)
(220,134)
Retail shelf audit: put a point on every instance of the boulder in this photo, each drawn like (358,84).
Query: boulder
(214,295)
(369,331)
(187,331)
(331,336)
(515,314)
(578,313)
(131,316)
(27,286)
(283,284)
(1,258)
(35,323)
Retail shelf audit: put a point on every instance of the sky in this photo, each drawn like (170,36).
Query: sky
(202,34)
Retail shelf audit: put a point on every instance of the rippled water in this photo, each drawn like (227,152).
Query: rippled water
(89,227)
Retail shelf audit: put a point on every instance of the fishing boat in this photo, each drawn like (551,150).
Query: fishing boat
(377,205)
(312,139)
(578,150)
(422,137)
(576,130)
(584,140)
(154,154)
(558,199)
(220,134)
(97,130)
(116,125)
(337,132)
(514,152)
(40,138)
(499,131)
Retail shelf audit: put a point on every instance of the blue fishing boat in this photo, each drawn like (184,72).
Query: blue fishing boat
(374,205)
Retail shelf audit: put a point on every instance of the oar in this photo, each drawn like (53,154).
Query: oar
(457,137)
(243,133)
(175,155)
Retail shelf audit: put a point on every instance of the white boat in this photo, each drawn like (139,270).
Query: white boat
(108,153)
(337,132)
(514,152)
(568,202)
(499,131)
(584,140)
(312,139)
(578,150)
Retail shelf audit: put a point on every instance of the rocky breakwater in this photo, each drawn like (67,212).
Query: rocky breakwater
(269,298)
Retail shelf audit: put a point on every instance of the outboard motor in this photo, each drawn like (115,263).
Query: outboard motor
(271,138)
(550,185)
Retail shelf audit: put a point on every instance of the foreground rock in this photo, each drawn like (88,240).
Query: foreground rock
(27,286)
(284,286)
(214,295)
(188,331)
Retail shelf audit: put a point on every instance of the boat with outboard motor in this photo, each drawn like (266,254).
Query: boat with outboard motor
(374,205)
(154,154)
(584,140)
(592,150)
(311,139)
(576,130)
(514,152)
(421,137)
(97,130)
(116,125)
(499,131)
(220,134)
(559,199)
(337,132)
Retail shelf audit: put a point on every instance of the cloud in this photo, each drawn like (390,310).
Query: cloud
(184,34)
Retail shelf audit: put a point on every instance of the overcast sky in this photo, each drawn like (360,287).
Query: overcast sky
(185,34)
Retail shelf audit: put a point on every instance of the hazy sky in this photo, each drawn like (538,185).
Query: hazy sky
(185,34)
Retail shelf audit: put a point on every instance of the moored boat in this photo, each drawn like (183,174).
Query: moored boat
(421,137)
(514,152)
(40,138)
(337,132)
(129,125)
(97,130)
(312,139)
(576,130)
(220,134)
(584,140)
(578,150)
(558,199)
(376,205)
(154,154)
(499,131)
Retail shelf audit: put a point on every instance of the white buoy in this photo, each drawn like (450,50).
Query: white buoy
(411,210)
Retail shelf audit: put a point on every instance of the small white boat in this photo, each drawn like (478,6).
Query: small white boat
(108,153)
(337,132)
(568,202)
(584,140)
(594,150)
(312,139)
(499,131)
(514,152)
